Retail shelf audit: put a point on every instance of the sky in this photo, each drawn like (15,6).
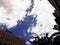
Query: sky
(27,18)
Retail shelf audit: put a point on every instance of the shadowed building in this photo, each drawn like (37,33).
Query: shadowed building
(7,38)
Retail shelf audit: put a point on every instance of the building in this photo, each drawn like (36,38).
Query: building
(7,38)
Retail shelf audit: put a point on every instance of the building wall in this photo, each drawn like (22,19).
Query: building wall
(9,39)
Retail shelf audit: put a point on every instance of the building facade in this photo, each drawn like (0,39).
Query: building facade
(7,38)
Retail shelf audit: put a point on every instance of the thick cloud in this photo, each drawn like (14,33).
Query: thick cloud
(27,17)
(13,10)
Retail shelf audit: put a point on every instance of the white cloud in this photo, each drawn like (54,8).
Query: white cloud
(13,10)
(45,19)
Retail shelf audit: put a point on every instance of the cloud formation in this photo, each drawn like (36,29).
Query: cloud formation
(45,19)
(12,11)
